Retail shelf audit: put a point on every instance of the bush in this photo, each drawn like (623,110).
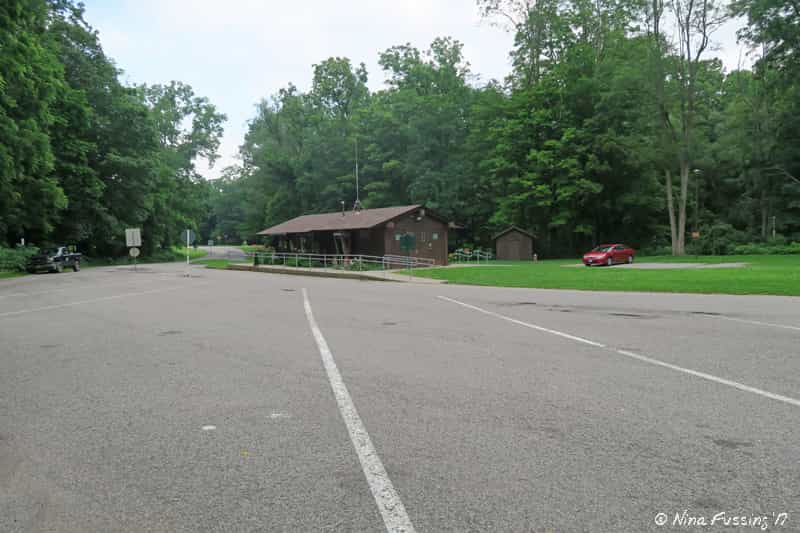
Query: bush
(655,250)
(778,240)
(750,249)
(767,249)
(15,259)
(718,239)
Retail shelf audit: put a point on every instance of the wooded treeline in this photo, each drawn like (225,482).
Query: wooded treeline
(82,156)
(616,123)
(607,129)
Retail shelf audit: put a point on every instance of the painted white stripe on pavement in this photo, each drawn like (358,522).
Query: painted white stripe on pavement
(526,324)
(710,377)
(81,302)
(392,510)
(703,375)
(756,322)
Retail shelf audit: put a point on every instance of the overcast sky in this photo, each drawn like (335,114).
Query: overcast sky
(237,52)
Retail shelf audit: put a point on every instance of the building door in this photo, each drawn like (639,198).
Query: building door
(514,245)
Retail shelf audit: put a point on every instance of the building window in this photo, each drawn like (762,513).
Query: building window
(397,236)
(421,236)
(435,237)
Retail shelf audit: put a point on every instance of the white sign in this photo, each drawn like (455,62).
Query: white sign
(134,252)
(133,237)
(211,242)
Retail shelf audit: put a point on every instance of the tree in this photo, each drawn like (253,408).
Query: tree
(696,21)
(31,77)
(775,26)
(179,200)
(83,106)
(606,130)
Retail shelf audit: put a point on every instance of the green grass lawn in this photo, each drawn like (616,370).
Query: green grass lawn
(193,253)
(253,248)
(765,274)
(11,274)
(215,263)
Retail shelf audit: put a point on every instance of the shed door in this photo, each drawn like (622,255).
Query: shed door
(514,241)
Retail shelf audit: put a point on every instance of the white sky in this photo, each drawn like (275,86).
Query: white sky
(237,52)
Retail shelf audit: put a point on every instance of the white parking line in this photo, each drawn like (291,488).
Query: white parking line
(81,302)
(389,504)
(702,375)
(526,324)
(756,322)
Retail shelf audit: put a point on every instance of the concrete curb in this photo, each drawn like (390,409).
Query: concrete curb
(322,273)
(310,272)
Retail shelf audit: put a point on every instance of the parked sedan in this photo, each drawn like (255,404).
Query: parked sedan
(609,254)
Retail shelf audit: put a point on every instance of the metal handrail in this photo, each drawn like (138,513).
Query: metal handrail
(462,255)
(315,260)
(406,259)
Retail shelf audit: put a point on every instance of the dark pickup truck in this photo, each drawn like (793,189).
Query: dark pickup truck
(54,260)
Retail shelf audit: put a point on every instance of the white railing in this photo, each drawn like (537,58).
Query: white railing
(467,256)
(405,260)
(357,262)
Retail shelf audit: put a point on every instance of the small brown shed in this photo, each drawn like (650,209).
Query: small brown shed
(514,244)
(366,232)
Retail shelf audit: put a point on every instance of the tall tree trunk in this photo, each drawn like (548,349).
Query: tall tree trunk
(681,248)
(671,210)
(763,214)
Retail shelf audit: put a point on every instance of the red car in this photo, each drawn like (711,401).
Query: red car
(609,254)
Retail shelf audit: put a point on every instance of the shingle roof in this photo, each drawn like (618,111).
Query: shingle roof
(350,220)
(513,228)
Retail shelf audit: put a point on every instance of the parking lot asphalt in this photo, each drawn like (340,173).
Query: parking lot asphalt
(234,401)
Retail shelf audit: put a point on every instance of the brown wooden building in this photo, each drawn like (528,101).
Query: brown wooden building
(514,244)
(366,232)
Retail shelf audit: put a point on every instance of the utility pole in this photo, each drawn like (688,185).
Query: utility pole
(357,204)
(697,173)
(773,227)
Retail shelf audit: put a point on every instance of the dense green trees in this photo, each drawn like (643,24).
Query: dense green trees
(31,78)
(82,157)
(607,129)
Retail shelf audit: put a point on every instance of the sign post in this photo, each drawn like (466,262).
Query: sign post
(134,252)
(189,237)
(133,239)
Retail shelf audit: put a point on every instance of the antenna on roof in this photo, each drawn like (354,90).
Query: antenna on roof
(357,204)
